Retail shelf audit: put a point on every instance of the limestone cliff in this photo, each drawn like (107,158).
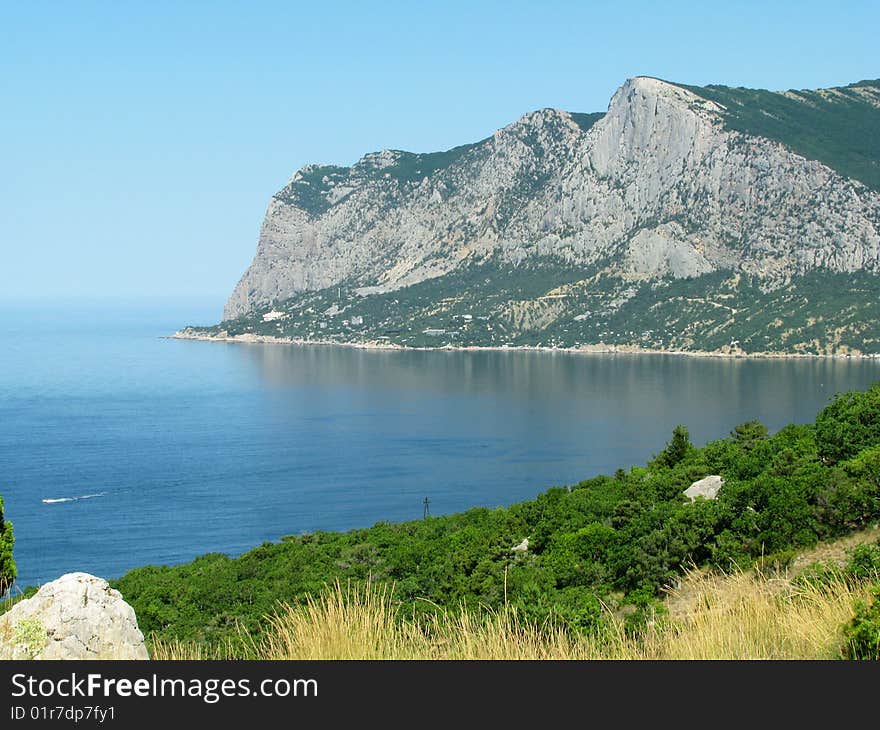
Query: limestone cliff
(664,186)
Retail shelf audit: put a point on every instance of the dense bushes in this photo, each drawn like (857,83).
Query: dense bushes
(862,634)
(612,541)
(849,425)
(7,564)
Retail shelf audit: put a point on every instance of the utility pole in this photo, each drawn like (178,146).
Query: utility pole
(427,512)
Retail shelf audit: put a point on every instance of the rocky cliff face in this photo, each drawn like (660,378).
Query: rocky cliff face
(657,183)
(658,188)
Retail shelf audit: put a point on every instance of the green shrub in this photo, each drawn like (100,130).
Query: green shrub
(864,563)
(819,574)
(748,433)
(7,564)
(31,633)
(678,447)
(850,424)
(862,633)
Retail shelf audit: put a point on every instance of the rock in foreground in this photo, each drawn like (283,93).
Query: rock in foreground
(77,616)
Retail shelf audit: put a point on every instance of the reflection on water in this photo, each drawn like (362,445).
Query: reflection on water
(642,395)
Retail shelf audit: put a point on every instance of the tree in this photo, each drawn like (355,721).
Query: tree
(862,633)
(677,448)
(748,433)
(850,424)
(578,558)
(7,564)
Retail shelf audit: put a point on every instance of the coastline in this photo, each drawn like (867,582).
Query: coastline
(600,349)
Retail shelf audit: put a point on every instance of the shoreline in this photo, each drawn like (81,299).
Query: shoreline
(600,349)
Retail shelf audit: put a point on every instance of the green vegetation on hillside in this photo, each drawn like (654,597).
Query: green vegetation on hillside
(609,544)
(309,191)
(550,303)
(863,631)
(413,166)
(838,127)
(7,564)
(311,188)
(755,614)
(585,121)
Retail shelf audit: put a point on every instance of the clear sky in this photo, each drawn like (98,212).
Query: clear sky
(140,141)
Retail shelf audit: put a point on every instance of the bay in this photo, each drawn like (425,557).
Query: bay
(120,448)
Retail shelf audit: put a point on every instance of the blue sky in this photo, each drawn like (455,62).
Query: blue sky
(140,142)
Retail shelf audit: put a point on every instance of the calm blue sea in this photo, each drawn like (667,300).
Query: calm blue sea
(119,448)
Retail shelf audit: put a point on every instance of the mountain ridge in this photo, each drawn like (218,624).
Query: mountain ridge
(671,183)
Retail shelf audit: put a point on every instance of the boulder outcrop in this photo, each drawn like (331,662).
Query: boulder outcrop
(77,616)
(707,487)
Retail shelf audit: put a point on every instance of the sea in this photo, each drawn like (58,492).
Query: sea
(120,447)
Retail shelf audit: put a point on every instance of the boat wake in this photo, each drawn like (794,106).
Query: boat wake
(73,499)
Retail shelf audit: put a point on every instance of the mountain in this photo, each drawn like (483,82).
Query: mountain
(684,218)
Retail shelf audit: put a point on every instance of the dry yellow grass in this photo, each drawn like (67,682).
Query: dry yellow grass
(364,623)
(173,650)
(753,616)
(343,623)
(736,616)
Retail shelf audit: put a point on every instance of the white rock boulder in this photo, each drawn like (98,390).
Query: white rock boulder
(707,488)
(77,616)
